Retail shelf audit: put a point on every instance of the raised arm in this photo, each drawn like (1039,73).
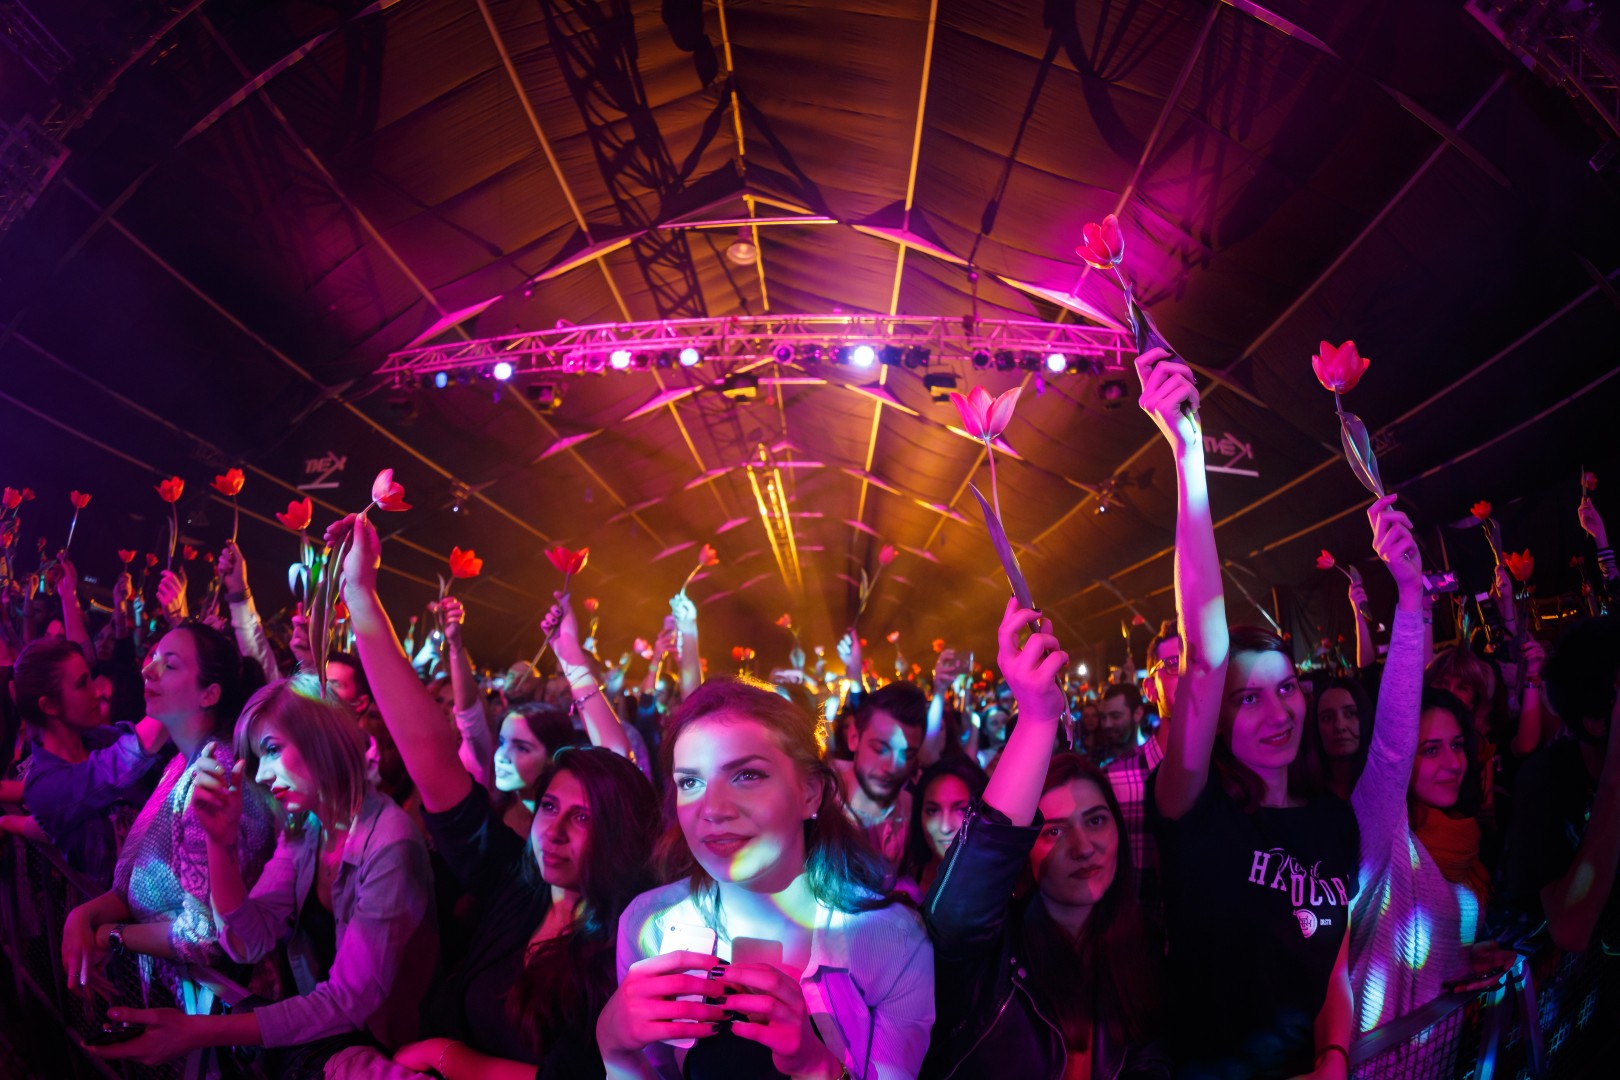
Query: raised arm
(601,722)
(686,627)
(477,751)
(427,745)
(1200,601)
(250,636)
(1031,670)
(945,672)
(73,624)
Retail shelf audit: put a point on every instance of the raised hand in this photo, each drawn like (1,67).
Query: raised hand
(232,570)
(360,565)
(1592,522)
(643,1010)
(681,606)
(452,615)
(564,631)
(69,585)
(777,1019)
(217,798)
(1032,669)
(1167,385)
(1395,545)
(299,641)
(171,595)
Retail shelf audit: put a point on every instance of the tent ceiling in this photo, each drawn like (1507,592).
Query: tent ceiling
(276,196)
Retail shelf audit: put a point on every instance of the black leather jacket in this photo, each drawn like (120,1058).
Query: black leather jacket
(990,1021)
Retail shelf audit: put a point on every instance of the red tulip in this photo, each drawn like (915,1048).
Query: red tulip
(1520,564)
(592,605)
(708,556)
(231,483)
(464,564)
(299,512)
(27,494)
(569,562)
(985,417)
(1104,245)
(1137,620)
(1588,482)
(126,556)
(11,498)
(1339,368)
(387,494)
(642,648)
(894,636)
(151,561)
(8,535)
(170,490)
(188,551)
(785,622)
(340,610)
(1481,510)
(939,644)
(887,555)
(1325,561)
(741,653)
(78,499)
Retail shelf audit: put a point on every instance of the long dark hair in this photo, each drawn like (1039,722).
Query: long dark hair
(1112,973)
(843,872)
(37,674)
(220,662)
(1312,754)
(1472,793)
(919,853)
(567,979)
(1241,783)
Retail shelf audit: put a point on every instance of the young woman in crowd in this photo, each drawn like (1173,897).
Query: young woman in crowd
(159,903)
(1063,981)
(945,790)
(540,963)
(349,890)
(1338,731)
(80,768)
(1257,876)
(532,735)
(818,976)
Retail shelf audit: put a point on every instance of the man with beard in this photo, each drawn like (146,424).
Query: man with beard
(885,736)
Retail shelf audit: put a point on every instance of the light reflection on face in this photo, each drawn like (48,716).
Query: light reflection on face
(520,758)
(1441,761)
(885,757)
(1339,723)
(1076,855)
(944,806)
(282,770)
(561,832)
(1264,708)
(741,801)
(1164,675)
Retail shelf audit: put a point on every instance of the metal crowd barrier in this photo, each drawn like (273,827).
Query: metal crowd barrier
(1512,1031)
(37,890)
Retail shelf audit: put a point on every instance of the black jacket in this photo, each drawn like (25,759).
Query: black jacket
(990,1020)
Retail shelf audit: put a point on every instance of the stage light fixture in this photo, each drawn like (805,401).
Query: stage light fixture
(441,379)
(619,359)
(546,396)
(863,356)
(783,353)
(690,357)
(665,359)
(939,385)
(1111,392)
(502,370)
(811,354)
(1057,363)
(1005,360)
(890,354)
(642,361)
(742,250)
(981,359)
(402,406)
(917,356)
(1030,361)
(740,387)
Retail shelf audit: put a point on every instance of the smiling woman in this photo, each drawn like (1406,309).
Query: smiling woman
(818,971)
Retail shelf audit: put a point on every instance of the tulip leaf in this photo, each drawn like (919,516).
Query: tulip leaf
(1359,453)
(297,580)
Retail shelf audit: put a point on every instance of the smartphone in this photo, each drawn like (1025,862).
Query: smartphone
(112,1034)
(1435,584)
(685,937)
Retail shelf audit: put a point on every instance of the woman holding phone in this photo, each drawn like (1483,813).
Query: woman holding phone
(808,970)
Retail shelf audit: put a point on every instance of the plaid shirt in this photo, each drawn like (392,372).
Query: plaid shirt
(1130,779)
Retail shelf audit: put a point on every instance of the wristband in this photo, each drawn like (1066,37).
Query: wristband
(438,1066)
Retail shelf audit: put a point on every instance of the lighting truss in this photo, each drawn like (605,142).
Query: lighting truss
(738,341)
(765,478)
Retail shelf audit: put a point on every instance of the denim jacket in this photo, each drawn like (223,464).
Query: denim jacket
(993,1022)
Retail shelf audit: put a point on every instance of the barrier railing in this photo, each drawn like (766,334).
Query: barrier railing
(37,890)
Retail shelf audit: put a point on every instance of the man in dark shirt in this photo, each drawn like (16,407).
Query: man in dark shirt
(1563,847)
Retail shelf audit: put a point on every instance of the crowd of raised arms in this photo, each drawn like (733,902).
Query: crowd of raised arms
(1232,870)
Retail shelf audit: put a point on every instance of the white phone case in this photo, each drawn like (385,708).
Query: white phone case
(683,937)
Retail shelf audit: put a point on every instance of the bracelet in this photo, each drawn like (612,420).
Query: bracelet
(595,690)
(438,1066)
(1334,1048)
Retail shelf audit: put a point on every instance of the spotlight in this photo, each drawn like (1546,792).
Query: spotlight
(890,355)
(619,359)
(783,353)
(939,386)
(981,359)
(811,354)
(441,379)
(459,494)
(1030,361)
(502,370)
(643,361)
(1057,363)
(863,356)
(740,387)
(546,396)
(690,357)
(916,356)
(1005,360)
(742,250)
(1111,392)
(665,359)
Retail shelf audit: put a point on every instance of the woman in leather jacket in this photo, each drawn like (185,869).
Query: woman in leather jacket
(1058,979)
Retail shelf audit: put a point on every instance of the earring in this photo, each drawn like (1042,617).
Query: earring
(812,817)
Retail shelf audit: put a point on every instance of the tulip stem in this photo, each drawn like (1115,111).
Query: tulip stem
(995,489)
(236,518)
(74,524)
